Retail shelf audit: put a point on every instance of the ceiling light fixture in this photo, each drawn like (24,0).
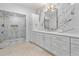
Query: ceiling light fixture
(50,7)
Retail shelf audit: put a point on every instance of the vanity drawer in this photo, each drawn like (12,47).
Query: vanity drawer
(61,45)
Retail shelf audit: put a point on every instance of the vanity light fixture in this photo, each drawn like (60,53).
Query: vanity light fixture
(50,7)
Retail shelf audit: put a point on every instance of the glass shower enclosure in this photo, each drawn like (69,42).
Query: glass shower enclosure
(12,28)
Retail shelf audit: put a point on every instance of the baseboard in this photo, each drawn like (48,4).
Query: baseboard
(43,48)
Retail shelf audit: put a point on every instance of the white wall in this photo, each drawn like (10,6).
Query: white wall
(75,20)
(64,13)
(19,9)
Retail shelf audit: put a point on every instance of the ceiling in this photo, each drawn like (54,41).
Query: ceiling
(33,6)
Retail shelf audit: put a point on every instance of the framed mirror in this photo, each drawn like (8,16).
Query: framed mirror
(49,18)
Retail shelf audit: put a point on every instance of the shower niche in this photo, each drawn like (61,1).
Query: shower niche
(12,28)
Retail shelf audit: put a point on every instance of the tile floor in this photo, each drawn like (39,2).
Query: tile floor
(23,49)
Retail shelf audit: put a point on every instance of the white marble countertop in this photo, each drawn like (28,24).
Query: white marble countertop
(71,35)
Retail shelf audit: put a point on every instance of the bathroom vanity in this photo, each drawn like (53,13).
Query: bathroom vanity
(59,44)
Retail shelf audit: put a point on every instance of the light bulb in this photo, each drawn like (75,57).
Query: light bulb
(72,3)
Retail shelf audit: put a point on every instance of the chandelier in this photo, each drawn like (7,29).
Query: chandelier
(50,7)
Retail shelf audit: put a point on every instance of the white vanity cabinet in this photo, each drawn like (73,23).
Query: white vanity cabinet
(55,44)
(47,41)
(38,38)
(52,50)
(74,47)
(61,46)
(34,37)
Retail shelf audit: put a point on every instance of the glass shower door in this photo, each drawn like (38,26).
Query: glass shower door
(12,28)
(3,32)
(1,29)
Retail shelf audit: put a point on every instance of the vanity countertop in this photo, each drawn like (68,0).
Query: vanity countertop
(73,35)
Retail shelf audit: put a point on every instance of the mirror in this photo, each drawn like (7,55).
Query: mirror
(49,18)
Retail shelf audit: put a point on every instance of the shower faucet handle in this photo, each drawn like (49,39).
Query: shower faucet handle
(2,32)
(2,25)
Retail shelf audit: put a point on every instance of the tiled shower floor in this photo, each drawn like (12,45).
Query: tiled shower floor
(23,49)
